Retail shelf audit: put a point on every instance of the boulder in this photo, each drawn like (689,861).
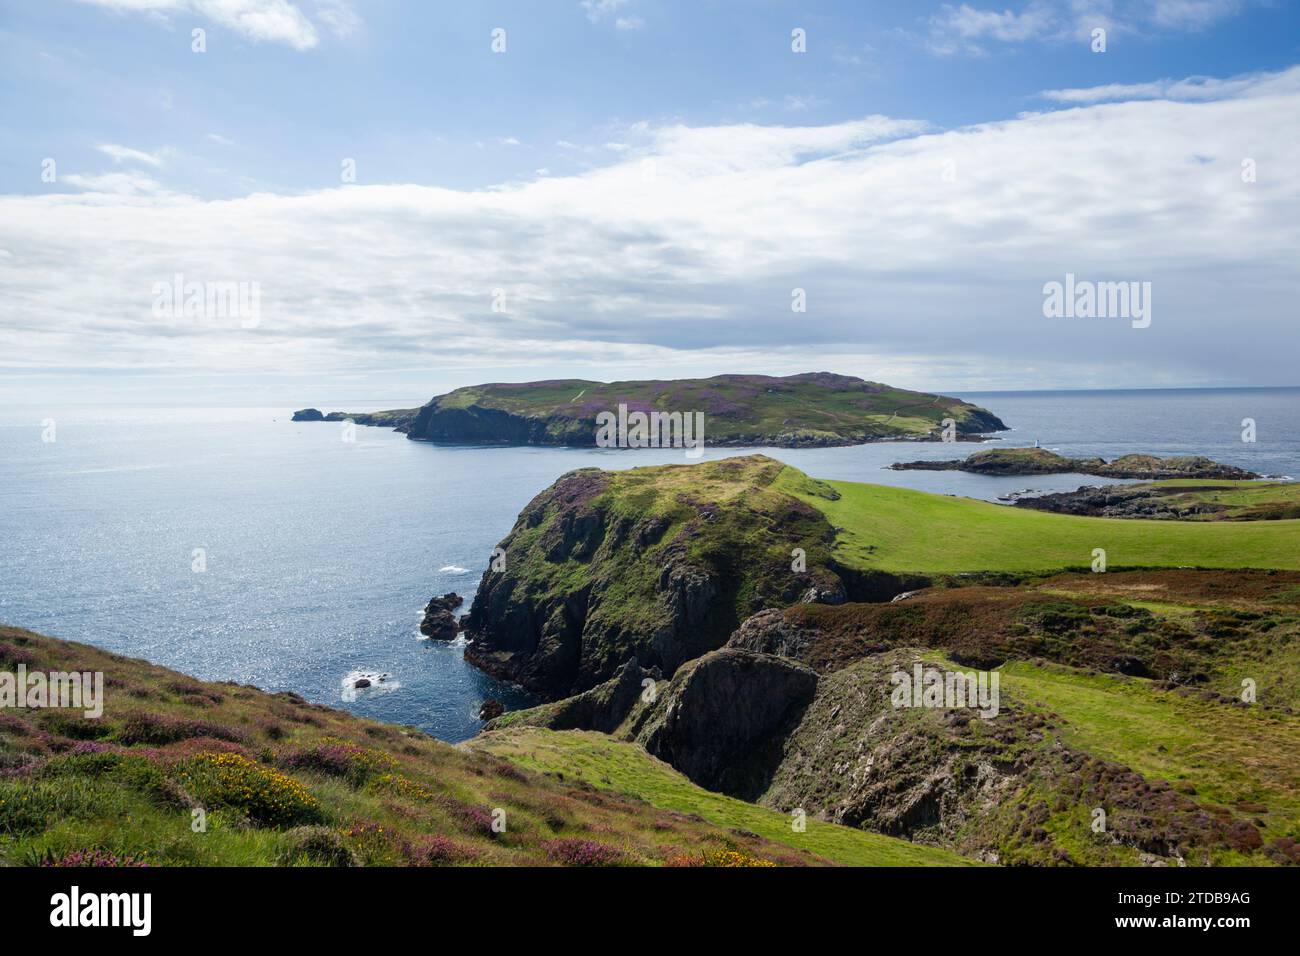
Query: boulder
(440,621)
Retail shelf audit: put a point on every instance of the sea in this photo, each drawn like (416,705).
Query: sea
(234,544)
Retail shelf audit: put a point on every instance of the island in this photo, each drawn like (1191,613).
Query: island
(807,410)
(1040,461)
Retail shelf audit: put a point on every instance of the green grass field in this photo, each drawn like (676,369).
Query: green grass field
(627,769)
(897,529)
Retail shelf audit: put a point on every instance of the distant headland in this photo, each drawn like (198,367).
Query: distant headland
(814,409)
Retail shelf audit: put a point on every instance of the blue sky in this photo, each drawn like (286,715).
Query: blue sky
(473,171)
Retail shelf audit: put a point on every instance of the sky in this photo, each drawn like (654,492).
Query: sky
(415,195)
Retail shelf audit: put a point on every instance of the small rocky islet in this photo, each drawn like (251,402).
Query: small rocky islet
(1040,461)
(440,621)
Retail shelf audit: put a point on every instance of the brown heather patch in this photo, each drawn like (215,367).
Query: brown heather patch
(1279,589)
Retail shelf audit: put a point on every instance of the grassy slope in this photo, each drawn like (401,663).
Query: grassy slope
(295,783)
(735,406)
(897,529)
(626,768)
(306,784)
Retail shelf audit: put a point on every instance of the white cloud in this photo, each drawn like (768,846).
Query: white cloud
(962,27)
(124,154)
(125,184)
(969,29)
(629,23)
(1192,14)
(971,23)
(272,21)
(219,139)
(693,258)
(338,16)
(1191,88)
(598,10)
(797,103)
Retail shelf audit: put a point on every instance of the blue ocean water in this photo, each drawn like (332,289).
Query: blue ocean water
(320,553)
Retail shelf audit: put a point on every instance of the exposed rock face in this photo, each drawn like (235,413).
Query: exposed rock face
(603,707)
(922,773)
(722,718)
(658,564)
(834,594)
(491,709)
(475,424)
(308,415)
(946,776)
(772,632)
(1040,461)
(439,620)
